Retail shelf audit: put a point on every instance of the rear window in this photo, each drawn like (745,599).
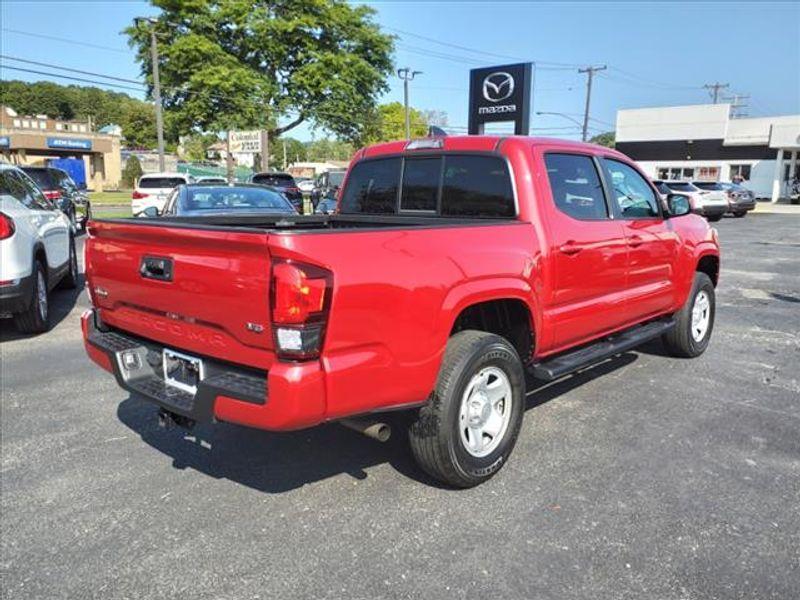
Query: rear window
(709,185)
(462,185)
(372,187)
(681,186)
(41,177)
(231,198)
(477,186)
(277,180)
(160,182)
(335,178)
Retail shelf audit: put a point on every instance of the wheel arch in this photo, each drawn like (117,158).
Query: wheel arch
(708,263)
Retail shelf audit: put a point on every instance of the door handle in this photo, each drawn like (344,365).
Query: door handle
(635,241)
(570,248)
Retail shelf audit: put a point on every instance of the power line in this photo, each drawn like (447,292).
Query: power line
(715,88)
(83,80)
(43,64)
(65,40)
(590,71)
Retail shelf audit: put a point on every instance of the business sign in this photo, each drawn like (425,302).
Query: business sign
(69,143)
(500,94)
(245,142)
(5,141)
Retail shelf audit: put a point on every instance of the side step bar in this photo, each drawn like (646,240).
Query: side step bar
(564,364)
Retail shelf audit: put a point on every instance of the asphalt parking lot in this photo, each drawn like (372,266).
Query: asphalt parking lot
(644,477)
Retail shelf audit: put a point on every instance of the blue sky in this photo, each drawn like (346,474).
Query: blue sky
(657,53)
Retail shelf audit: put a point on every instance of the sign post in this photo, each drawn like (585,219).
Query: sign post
(500,94)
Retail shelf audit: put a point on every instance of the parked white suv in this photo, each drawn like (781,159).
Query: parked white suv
(153,189)
(37,251)
(711,204)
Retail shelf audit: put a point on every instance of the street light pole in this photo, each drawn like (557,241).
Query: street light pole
(406,74)
(156,89)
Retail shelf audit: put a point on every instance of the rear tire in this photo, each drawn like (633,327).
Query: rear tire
(468,428)
(715,218)
(740,214)
(694,322)
(35,319)
(70,280)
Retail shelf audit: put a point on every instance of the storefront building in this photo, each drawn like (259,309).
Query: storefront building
(93,159)
(703,142)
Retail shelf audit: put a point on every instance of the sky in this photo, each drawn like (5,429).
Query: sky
(657,54)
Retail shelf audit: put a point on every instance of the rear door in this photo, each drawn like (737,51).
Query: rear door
(588,251)
(52,228)
(653,244)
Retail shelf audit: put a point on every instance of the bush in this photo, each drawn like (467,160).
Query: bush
(131,172)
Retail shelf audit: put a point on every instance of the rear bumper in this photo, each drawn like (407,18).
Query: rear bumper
(744,205)
(16,297)
(712,211)
(288,396)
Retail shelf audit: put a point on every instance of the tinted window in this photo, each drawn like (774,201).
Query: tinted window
(372,187)
(41,177)
(632,194)
(420,183)
(576,186)
(335,178)
(662,187)
(274,179)
(33,196)
(477,186)
(160,182)
(11,185)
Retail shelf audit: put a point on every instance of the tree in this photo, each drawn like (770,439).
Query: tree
(131,172)
(606,139)
(325,150)
(227,64)
(295,151)
(391,124)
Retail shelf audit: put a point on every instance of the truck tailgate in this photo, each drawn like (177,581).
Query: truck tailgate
(201,290)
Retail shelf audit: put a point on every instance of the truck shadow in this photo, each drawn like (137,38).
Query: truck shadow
(279,462)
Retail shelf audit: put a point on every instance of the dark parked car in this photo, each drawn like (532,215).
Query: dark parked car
(284,183)
(327,185)
(740,199)
(207,200)
(59,188)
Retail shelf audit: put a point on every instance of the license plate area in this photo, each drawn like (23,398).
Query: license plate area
(182,371)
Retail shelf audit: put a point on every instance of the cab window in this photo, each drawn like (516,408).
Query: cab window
(576,186)
(632,196)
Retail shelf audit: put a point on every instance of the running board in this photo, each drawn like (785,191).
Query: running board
(564,364)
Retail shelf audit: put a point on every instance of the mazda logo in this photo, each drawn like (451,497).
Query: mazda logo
(498,86)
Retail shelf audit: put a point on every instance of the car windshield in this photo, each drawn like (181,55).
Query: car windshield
(41,177)
(681,186)
(336,178)
(274,179)
(709,185)
(233,198)
(160,182)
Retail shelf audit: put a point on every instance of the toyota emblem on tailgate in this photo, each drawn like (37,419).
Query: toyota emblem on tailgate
(498,86)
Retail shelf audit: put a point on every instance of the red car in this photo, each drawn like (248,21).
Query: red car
(453,266)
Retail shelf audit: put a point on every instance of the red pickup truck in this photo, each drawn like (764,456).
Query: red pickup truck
(454,266)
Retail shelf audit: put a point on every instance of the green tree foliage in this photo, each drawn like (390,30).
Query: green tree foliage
(195,146)
(229,64)
(606,139)
(137,118)
(131,172)
(390,124)
(295,151)
(325,149)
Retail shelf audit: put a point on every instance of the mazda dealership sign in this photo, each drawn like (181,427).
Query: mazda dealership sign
(500,94)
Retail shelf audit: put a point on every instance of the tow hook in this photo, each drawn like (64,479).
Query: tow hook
(169,420)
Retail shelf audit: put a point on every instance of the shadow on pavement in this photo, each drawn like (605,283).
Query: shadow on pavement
(278,462)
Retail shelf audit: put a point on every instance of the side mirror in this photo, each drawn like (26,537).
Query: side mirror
(150,212)
(678,205)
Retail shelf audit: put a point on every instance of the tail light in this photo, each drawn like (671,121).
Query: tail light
(7,227)
(137,195)
(52,194)
(292,190)
(300,296)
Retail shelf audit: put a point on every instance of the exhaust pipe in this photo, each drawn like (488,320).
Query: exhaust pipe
(376,430)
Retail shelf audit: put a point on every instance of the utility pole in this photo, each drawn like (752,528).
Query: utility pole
(737,105)
(156,88)
(284,155)
(406,74)
(590,71)
(715,89)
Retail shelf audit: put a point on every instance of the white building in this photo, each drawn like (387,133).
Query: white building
(703,142)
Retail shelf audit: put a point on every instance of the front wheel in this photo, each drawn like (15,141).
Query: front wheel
(694,322)
(468,428)
(740,214)
(714,218)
